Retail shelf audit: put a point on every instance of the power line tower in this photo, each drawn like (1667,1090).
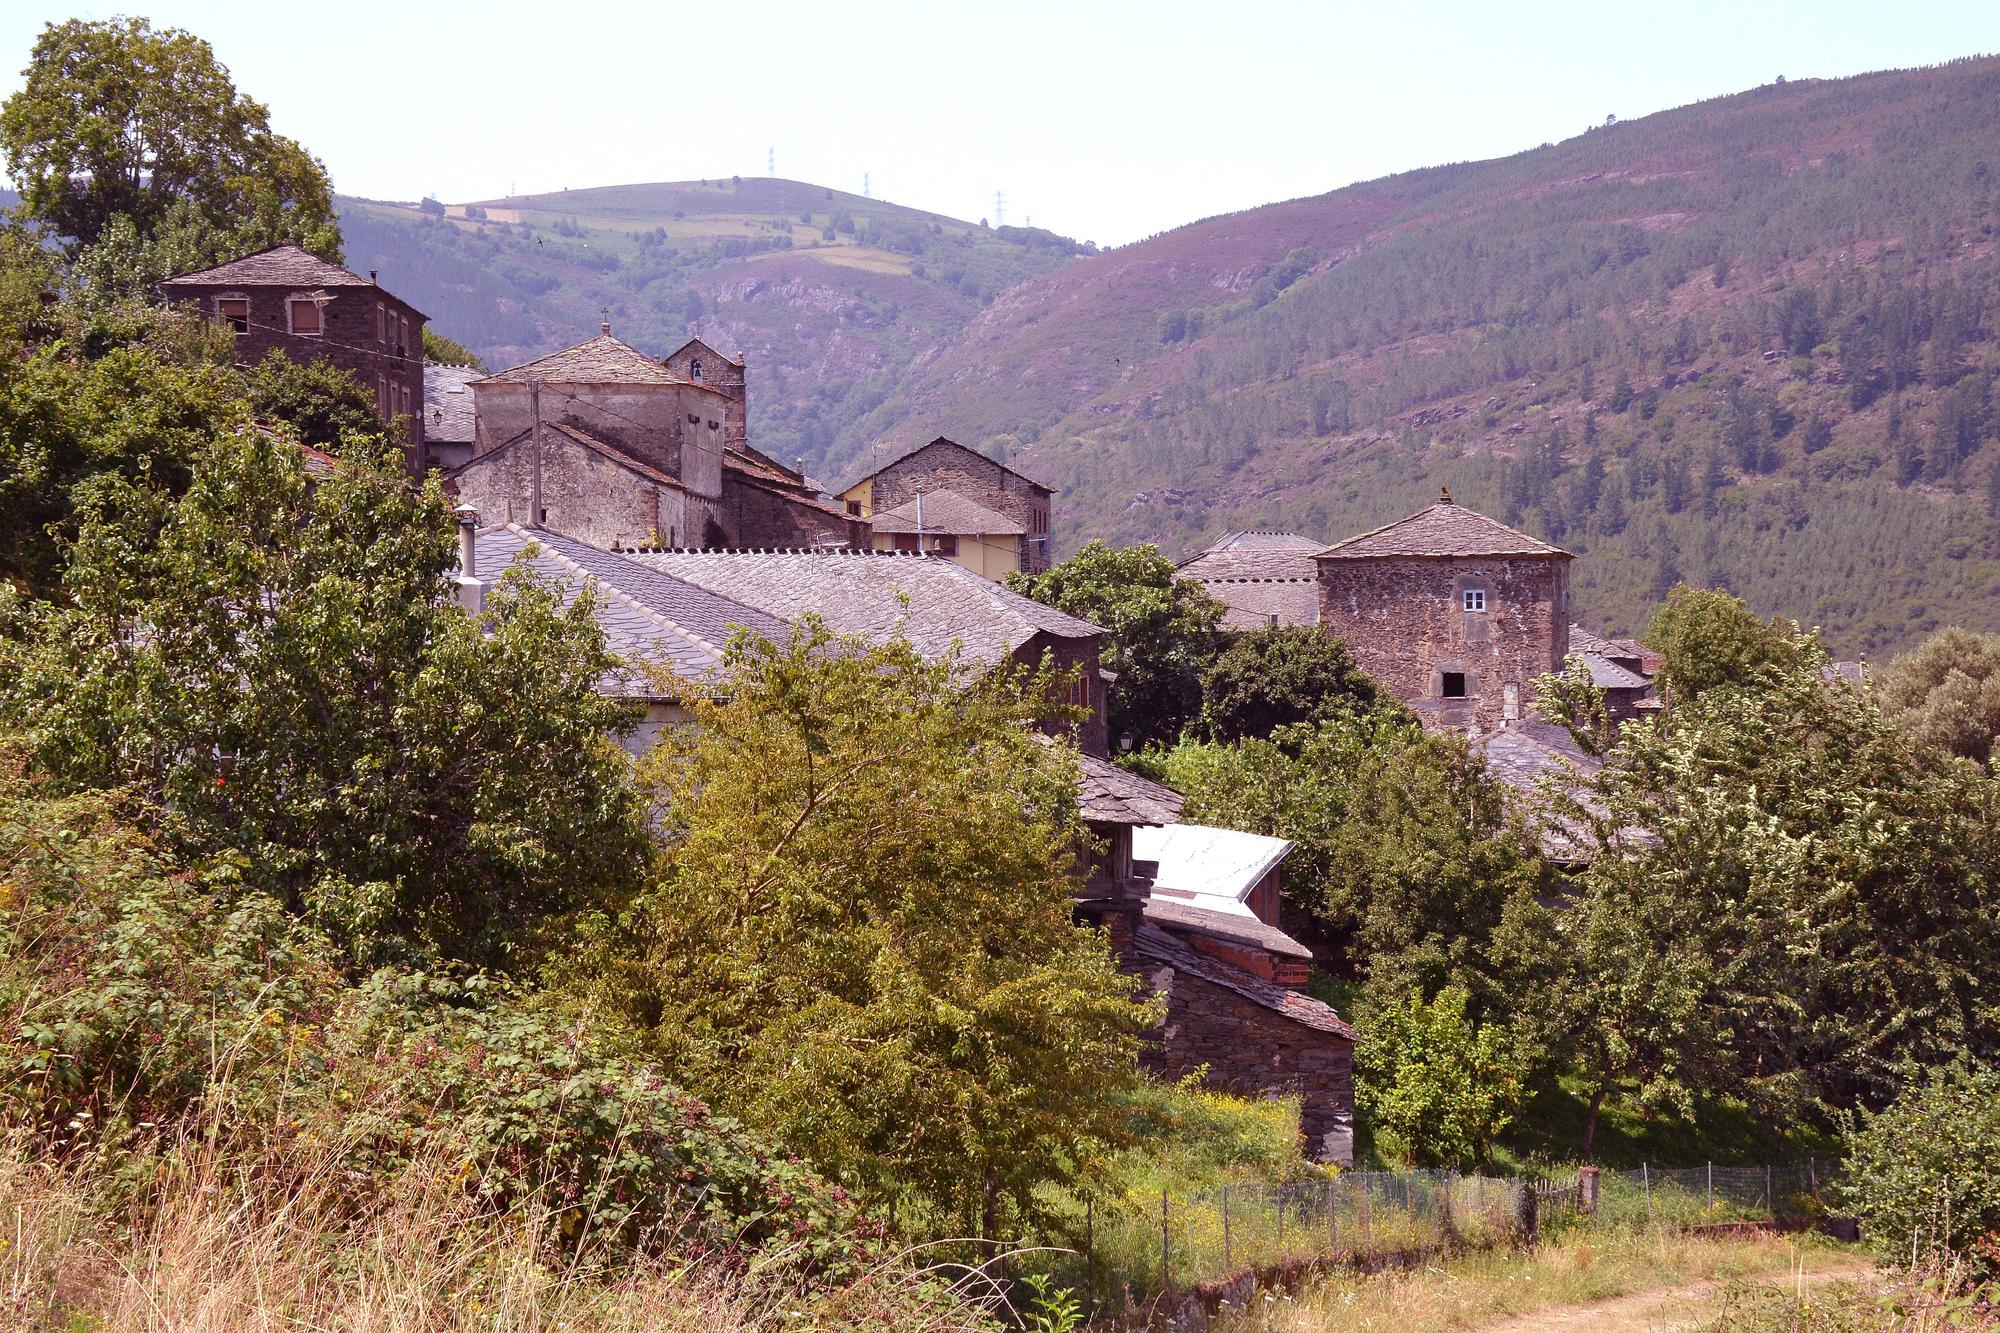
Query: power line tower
(999,208)
(864,186)
(771,161)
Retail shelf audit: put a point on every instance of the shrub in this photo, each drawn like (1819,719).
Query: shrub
(1442,1086)
(1925,1173)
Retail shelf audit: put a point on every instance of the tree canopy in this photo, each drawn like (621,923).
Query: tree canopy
(137,138)
(860,940)
(1161,631)
(1707,638)
(283,673)
(1270,678)
(1945,693)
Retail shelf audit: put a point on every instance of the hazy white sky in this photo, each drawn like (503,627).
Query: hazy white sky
(1105,121)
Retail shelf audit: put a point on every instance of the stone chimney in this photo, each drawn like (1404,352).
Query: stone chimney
(471,592)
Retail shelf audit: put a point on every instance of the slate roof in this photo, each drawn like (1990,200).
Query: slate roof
(602,360)
(647,617)
(1255,555)
(1233,927)
(1606,674)
(448,417)
(947,511)
(1444,529)
(1525,756)
(279,266)
(875,593)
(916,449)
(1160,946)
(1108,794)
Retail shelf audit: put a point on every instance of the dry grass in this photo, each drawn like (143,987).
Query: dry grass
(1475,1290)
(208,1250)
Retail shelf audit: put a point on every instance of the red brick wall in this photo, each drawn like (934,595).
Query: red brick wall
(1403,621)
(352,336)
(949,468)
(1251,1051)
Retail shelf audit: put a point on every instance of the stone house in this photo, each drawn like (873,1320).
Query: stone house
(448,415)
(609,445)
(945,465)
(1454,613)
(1232,982)
(1262,579)
(947,525)
(286,300)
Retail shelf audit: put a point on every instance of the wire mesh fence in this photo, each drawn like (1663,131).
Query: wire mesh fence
(1176,1240)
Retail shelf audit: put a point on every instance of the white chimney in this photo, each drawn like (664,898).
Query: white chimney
(471,592)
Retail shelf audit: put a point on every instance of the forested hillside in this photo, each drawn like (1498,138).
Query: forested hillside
(829,294)
(1747,343)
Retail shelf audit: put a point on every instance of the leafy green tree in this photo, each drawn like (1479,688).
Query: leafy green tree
(1709,638)
(448,351)
(1945,693)
(1274,677)
(120,125)
(1789,900)
(1407,850)
(859,938)
(1161,631)
(286,676)
(1570,698)
(321,402)
(1442,1085)
(1924,1174)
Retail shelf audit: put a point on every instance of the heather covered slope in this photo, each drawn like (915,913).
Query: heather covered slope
(1748,342)
(828,293)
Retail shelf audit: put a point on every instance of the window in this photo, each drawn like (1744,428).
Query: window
(945,544)
(694,371)
(715,425)
(1452,684)
(906,541)
(235,312)
(854,508)
(1079,689)
(305,316)
(694,418)
(381,324)
(381,397)
(1475,599)
(402,347)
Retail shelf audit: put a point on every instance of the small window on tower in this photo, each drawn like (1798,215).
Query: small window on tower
(1452,684)
(235,312)
(305,316)
(1475,599)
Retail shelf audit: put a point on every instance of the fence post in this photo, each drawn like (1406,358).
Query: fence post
(1362,1208)
(1646,1177)
(1166,1246)
(1090,1250)
(1524,1210)
(1281,1219)
(1711,1191)
(1586,1190)
(1770,1194)
(1812,1176)
(1332,1219)
(1227,1265)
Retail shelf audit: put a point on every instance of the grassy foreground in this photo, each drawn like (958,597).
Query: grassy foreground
(1476,1290)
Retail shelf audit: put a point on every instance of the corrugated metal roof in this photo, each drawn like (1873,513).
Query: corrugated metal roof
(1212,862)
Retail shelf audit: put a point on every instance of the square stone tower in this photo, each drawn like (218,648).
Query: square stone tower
(1452,612)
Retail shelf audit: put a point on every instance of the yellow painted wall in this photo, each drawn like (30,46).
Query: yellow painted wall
(989,557)
(864,491)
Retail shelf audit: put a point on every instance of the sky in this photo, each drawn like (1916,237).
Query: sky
(1101,121)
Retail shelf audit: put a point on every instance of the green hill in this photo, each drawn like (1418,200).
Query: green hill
(1748,343)
(827,293)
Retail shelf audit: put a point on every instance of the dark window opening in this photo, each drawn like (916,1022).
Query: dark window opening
(1453,686)
(235,313)
(694,372)
(694,419)
(854,508)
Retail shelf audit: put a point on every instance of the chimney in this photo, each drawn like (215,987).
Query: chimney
(471,593)
(605,328)
(802,469)
(371,275)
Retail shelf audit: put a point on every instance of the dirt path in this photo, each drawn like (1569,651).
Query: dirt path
(1671,1311)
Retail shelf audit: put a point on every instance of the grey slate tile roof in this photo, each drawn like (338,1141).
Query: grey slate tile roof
(1258,575)
(601,360)
(448,417)
(1159,946)
(279,266)
(1234,927)
(946,511)
(872,593)
(1531,753)
(647,616)
(1108,794)
(1606,674)
(1444,529)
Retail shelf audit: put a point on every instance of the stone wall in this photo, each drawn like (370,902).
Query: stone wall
(374,336)
(585,495)
(1404,622)
(1079,656)
(718,372)
(762,517)
(676,429)
(1252,1051)
(947,467)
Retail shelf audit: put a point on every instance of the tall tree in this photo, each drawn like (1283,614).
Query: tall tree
(123,133)
(860,937)
(1162,631)
(1274,677)
(1945,693)
(284,674)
